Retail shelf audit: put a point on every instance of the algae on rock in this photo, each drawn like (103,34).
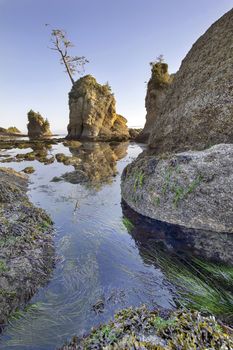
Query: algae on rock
(27,253)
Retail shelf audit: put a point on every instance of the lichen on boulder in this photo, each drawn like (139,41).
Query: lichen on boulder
(37,125)
(192,189)
(93,112)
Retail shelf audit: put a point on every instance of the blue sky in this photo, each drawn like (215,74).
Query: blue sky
(119,37)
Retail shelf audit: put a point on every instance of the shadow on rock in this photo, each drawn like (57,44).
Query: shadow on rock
(198,263)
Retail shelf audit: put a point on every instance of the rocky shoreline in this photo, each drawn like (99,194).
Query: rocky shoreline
(140,328)
(26,240)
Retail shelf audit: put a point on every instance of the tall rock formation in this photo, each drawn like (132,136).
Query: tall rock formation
(156,92)
(198,109)
(192,188)
(93,113)
(37,125)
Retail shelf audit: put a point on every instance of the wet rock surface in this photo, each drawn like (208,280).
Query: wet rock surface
(40,150)
(141,328)
(175,239)
(192,189)
(26,256)
(93,113)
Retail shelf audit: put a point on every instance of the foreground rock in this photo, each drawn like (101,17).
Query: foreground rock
(26,254)
(157,88)
(198,109)
(143,329)
(93,113)
(37,125)
(192,189)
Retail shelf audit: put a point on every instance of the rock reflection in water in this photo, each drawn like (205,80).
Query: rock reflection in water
(95,163)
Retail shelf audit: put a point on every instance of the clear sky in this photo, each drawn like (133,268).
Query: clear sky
(119,37)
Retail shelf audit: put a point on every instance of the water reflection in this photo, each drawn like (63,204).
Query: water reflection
(95,163)
(98,262)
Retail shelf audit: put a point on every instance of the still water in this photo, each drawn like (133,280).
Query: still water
(106,258)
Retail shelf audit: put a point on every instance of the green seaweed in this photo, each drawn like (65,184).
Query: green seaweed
(128,224)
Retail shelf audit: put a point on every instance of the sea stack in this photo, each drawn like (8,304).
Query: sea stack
(37,125)
(93,112)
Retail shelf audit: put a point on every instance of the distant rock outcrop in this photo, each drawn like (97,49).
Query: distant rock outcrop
(198,109)
(37,125)
(12,130)
(156,92)
(93,113)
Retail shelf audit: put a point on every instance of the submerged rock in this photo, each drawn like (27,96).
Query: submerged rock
(28,170)
(26,254)
(93,113)
(192,189)
(37,125)
(198,109)
(157,88)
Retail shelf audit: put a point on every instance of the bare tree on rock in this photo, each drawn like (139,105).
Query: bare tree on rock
(73,64)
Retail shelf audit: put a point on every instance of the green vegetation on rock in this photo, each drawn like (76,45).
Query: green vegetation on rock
(143,329)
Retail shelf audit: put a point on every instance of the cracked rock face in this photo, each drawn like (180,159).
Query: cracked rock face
(198,109)
(193,189)
(93,113)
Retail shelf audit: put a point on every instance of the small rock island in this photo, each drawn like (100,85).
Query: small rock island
(37,125)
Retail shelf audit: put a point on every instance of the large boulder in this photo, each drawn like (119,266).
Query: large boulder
(93,112)
(198,109)
(193,189)
(157,88)
(37,125)
(180,179)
